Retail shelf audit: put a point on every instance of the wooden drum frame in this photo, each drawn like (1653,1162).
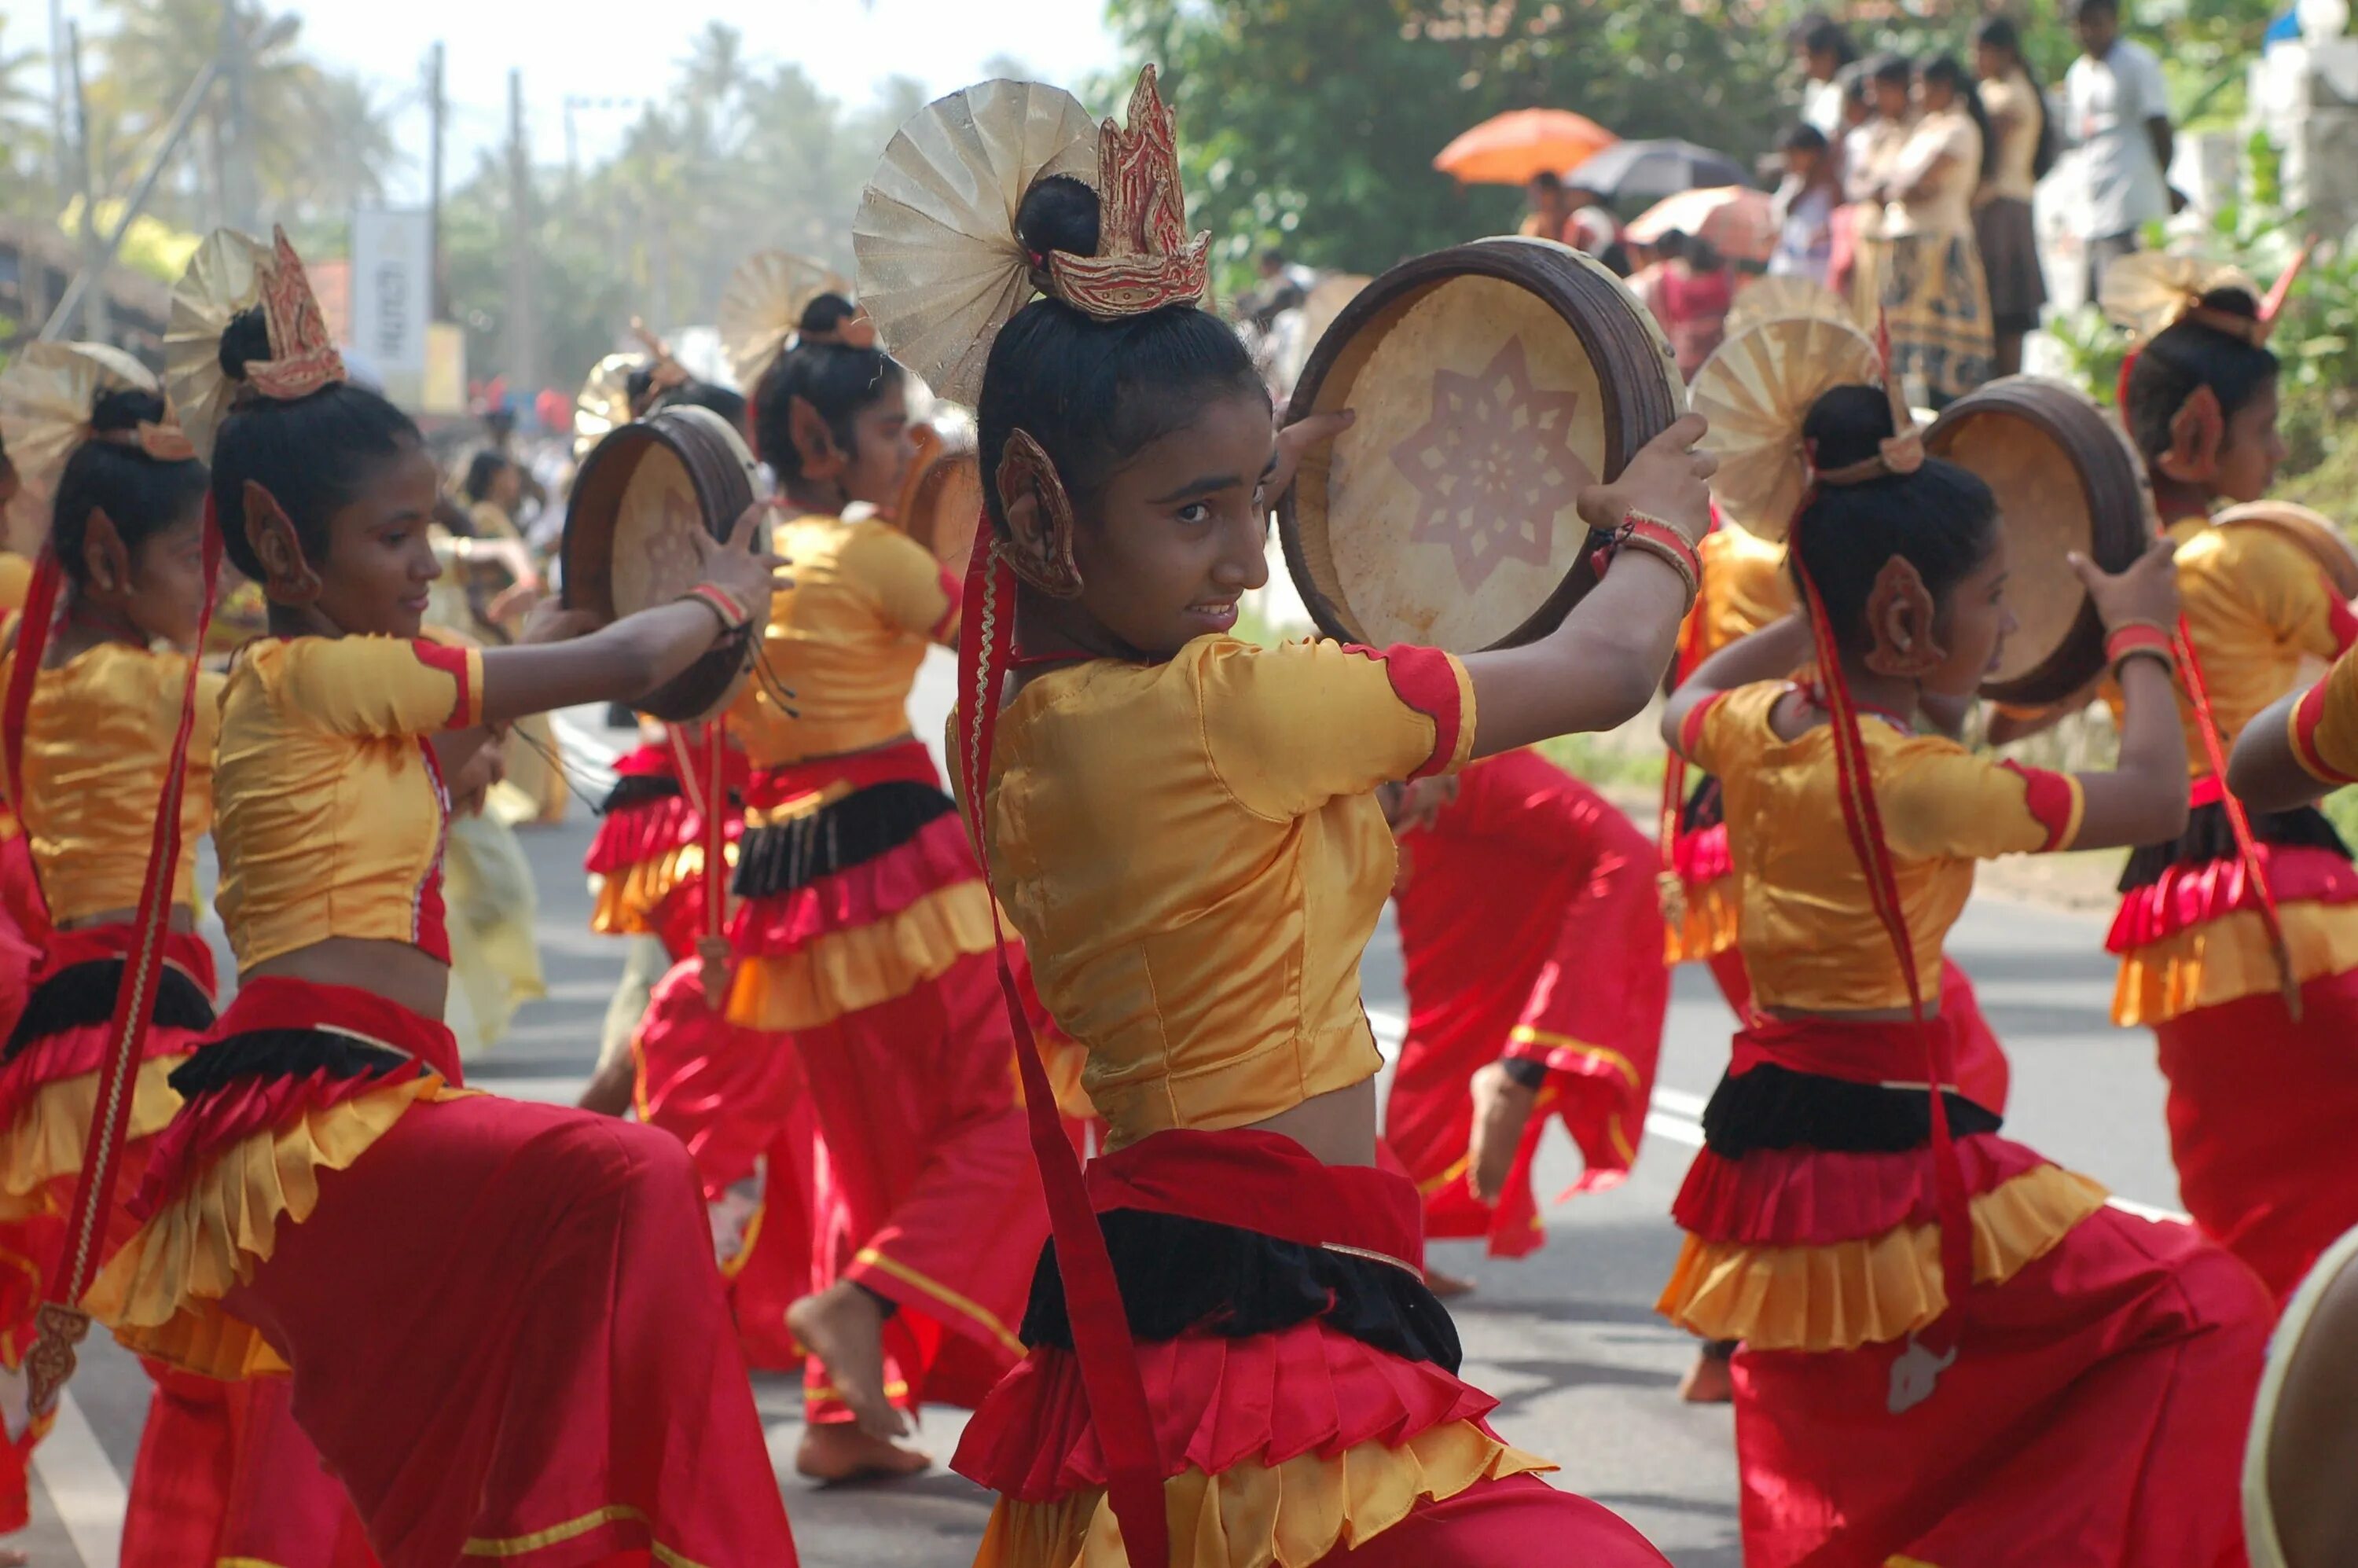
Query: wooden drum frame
(2066,479)
(1405,528)
(625,545)
(941,496)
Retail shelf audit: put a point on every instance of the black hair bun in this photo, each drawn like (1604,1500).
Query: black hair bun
(125,408)
(1846,425)
(826,313)
(247,341)
(2232,302)
(1059,213)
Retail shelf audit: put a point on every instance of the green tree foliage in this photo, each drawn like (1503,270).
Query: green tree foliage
(1313,123)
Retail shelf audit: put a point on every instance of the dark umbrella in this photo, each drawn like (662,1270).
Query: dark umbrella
(1642,173)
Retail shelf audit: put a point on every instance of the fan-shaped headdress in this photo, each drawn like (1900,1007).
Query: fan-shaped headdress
(1783,296)
(48,395)
(762,311)
(942,269)
(230,274)
(2152,291)
(1756,389)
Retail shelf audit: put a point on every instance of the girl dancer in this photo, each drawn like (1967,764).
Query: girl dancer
(1948,1343)
(505,1331)
(1183,829)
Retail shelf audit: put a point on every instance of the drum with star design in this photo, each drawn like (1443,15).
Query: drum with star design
(640,496)
(1492,380)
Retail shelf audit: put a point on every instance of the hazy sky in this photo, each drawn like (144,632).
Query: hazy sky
(612,49)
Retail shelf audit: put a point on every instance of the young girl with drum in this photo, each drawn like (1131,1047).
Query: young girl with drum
(504,1329)
(1947,1342)
(2238,938)
(864,931)
(1183,829)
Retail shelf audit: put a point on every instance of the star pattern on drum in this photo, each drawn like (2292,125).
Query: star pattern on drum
(672,566)
(1493,466)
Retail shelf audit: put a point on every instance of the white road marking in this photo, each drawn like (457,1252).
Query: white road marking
(83,1486)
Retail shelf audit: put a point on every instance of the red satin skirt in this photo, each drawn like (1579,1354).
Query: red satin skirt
(24,927)
(735,1098)
(225,1475)
(1566,971)
(2260,1117)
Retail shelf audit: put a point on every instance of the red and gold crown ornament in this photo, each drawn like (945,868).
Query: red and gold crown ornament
(231,273)
(1146,260)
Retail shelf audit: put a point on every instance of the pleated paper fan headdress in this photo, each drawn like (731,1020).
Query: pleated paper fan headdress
(2152,291)
(47,396)
(1756,389)
(762,310)
(230,274)
(941,267)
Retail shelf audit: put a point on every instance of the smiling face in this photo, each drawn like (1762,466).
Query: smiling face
(380,566)
(1180,531)
(1972,622)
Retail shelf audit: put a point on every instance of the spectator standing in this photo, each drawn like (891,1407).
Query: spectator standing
(1932,294)
(1870,152)
(1804,206)
(1550,208)
(1691,298)
(2023,151)
(2117,108)
(1823,48)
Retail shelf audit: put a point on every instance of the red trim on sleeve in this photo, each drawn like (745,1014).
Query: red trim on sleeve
(955,591)
(1426,680)
(1691,727)
(2048,796)
(2343,625)
(459,664)
(2307,715)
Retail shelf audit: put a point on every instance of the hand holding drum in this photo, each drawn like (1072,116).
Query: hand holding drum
(2143,592)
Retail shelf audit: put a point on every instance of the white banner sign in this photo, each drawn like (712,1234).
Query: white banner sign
(393,298)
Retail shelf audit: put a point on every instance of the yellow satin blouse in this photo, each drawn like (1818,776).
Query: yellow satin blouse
(98,738)
(1194,857)
(332,812)
(1743,588)
(846,639)
(1810,938)
(2324,724)
(2257,605)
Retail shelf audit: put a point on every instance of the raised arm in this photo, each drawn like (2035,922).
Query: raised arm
(2302,747)
(2144,799)
(1774,652)
(1599,668)
(625,660)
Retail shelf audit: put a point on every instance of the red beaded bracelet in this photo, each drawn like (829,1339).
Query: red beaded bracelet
(1659,539)
(2132,639)
(734,617)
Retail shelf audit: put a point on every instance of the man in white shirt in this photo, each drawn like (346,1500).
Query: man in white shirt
(2117,109)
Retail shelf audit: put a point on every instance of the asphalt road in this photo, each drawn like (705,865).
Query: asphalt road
(1568,1339)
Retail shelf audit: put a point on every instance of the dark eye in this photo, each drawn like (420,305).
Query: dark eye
(1196,512)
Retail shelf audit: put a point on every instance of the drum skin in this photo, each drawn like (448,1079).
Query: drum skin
(941,498)
(627,539)
(1445,516)
(2066,479)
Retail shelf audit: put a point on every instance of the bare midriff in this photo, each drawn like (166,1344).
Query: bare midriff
(400,972)
(1338,1127)
(184,919)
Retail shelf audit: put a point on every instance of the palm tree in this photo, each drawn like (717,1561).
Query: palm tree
(23,123)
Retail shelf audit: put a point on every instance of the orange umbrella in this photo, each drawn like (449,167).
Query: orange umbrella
(1737,219)
(1510,148)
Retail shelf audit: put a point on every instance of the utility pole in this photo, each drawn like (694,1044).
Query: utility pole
(522,356)
(239,198)
(93,249)
(436,111)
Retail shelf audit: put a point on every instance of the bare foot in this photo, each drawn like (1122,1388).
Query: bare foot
(12,1558)
(839,1451)
(1707,1382)
(1502,1108)
(1446,1285)
(843,1326)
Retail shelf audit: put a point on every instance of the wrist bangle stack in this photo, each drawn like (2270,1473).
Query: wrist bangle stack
(1659,539)
(734,617)
(2138,639)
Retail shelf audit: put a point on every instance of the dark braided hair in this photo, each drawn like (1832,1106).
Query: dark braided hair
(315,455)
(140,495)
(1093,393)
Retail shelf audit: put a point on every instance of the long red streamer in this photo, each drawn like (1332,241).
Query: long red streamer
(1101,1340)
(61,1320)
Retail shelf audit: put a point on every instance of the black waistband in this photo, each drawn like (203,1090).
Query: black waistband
(1178,1274)
(2209,836)
(860,826)
(639,789)
(83,994)
(282,1053)
(1778,1108)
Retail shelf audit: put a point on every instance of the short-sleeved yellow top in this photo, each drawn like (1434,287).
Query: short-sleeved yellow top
(2324,724)
(1743,588)
(331,810)
(98,740)
(1810,935)
(846,639)
(2257,605)
(1193,855)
